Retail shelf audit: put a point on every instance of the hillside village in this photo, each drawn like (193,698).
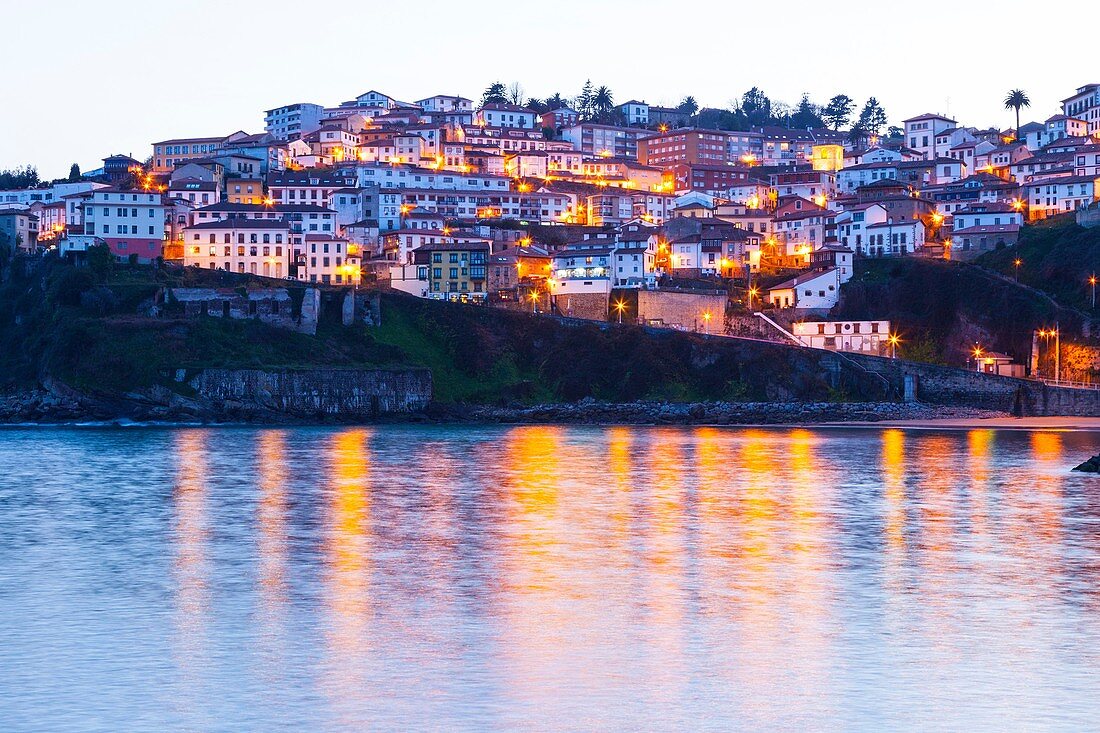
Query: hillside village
(560,205)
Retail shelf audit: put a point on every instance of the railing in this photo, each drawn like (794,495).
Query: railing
(1069,384)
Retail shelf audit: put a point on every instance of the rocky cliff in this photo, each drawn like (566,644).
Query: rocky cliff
(236,395)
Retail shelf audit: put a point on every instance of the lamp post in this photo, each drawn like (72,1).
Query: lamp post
(1057,354)
(534,301)
(893,341)
(620,306)
(1016,265)
(1056,332)
(1092,282)
(706,322)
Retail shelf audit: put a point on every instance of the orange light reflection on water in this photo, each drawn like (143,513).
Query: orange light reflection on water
(347,564)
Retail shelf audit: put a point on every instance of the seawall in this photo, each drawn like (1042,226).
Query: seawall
(274,396)
(348,394)
(952,386)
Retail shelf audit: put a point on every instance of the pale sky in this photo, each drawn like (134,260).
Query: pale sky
(80,80)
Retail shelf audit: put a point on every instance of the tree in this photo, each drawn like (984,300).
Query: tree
(537,105)
(688,106)
(585,100)
(838,111)
(556,101)
(756,107)
(807,115)
(515,93)
(872,118)
(495,94)
(895,133)
(1016,99)
(25,177)
(74,173)
(603,102)
(100,261)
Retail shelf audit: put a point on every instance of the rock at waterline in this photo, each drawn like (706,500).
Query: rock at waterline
(1092,465)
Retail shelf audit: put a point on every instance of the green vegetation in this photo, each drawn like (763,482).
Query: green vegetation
(80,326)
(1056,257)
(83,326)
(942,309)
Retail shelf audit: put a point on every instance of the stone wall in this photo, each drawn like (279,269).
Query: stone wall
(682,310)
(273,306)
(347,394)
(589,306)
(1089,216)
(361,307)
(952,386)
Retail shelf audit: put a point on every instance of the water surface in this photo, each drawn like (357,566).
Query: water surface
(548,578)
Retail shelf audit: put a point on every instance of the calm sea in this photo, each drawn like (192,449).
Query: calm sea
(548,578)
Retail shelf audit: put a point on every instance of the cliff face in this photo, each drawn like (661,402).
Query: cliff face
(339,393)
(236,395)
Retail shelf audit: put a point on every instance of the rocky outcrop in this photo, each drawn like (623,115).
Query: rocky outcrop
(235,395)
(1092,465)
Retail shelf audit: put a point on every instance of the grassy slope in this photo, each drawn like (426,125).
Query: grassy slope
(942,309)
(1057,257)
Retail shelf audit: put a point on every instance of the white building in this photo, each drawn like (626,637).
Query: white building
(1050,196)
(328,259)
(131,222)
(870,230)
(496,114)
(255,246)
(581,269)
(442,103)
(291,121)
(814,289)
(635,112)
(1084,105)
(921,131)
(869,337)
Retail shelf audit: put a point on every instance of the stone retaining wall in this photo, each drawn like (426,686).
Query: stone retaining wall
(337,393)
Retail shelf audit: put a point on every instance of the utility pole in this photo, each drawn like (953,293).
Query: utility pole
(1057,353)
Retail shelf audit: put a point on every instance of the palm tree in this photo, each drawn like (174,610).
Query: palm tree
(602,100)
(556,101)
(1016,99)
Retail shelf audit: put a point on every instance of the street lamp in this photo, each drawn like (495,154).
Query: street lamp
(1092,282)
(534,300)
(977,358)
(893,340)
(1016,264)
(1056,332)
(706,322)
(752,294)
(620,306)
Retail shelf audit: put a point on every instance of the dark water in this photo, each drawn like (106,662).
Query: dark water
(548,578)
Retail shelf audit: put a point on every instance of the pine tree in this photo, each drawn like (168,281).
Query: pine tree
(586,100)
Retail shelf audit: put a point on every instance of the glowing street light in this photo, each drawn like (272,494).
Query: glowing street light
(620,306)
(893,340)
(534,301)
(1016,264)
(1057,335)
(1092,282)
(706,322)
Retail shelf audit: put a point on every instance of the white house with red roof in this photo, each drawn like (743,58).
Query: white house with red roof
(497,114)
